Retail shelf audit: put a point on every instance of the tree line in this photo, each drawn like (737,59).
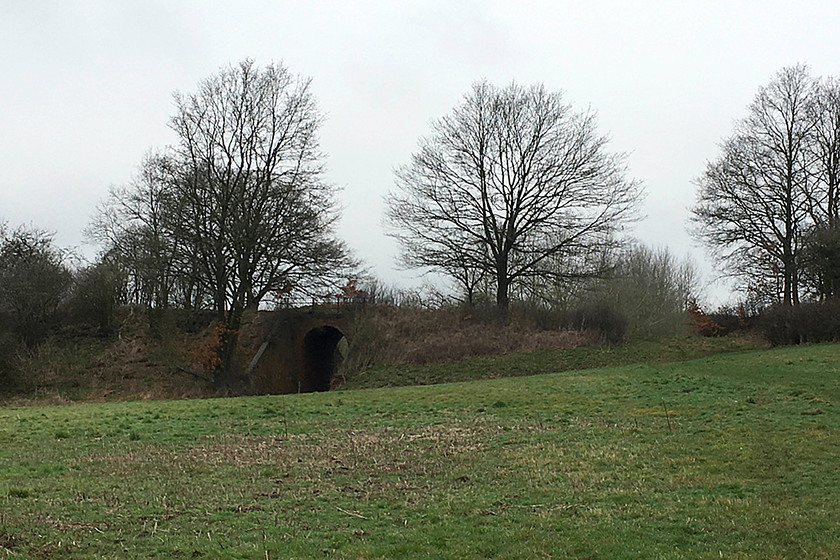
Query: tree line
(514,196)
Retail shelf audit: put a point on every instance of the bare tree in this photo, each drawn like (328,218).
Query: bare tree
(237,210)
(255,215)
(510,180)
(824,146)
(650,287)
(821,256)
(754,200)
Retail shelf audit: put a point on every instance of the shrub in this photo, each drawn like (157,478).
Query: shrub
(8,366)
(192,321)
(821,261)
(95,296)
(650,287)
(537,316)
(702,323)
(725,320)
(206,355)
(34,280)
(601,318)
(733,319)
(364,343)
(803,323)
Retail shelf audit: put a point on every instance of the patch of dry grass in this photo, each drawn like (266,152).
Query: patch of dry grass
(406,335)
(132,366)
(378,449)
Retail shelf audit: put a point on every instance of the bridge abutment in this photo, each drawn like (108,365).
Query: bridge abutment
(291,351)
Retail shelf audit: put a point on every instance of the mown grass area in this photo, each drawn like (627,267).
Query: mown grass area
(731,456)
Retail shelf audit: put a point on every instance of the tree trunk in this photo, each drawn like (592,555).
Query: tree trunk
(225,374)
(502,294)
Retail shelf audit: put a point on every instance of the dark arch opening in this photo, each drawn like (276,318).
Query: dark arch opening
(320,358)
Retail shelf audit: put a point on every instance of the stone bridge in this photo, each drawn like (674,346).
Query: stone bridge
(293,350)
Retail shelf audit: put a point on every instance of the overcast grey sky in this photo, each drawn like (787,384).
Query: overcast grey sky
(86,87)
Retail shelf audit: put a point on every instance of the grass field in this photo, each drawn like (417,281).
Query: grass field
(732,456)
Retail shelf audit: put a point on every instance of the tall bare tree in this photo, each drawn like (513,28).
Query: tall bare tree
(238,209)
(753,201)
(255,213)
(824,145)
(511,179)
(821,260)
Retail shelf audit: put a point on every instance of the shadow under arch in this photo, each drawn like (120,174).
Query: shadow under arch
(320,358)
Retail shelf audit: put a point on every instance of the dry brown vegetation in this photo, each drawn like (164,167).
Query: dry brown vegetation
(164,360)
(135,364)
(386,334)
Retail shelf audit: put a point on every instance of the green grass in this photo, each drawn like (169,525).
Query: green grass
(635,351)
(731,456)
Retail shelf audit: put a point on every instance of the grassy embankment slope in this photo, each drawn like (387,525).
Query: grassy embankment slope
(730,456)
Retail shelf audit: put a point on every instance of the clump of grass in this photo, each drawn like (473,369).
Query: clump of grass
(56,365)
(20,493)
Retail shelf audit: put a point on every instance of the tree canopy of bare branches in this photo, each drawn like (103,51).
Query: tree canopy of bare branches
(777,178)
(238,210)
(511,180)
(137,224)
(34,280)
(256,213)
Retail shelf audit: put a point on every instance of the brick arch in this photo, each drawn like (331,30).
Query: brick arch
(319,349)
(295,351)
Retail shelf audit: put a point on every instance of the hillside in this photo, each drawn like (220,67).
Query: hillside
(728,456)
(388,346)
(136,367)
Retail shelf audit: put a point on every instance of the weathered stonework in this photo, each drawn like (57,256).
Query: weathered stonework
(291,351)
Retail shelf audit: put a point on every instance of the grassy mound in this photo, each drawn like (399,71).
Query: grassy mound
(388,346)
(548,360)
(728,456)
